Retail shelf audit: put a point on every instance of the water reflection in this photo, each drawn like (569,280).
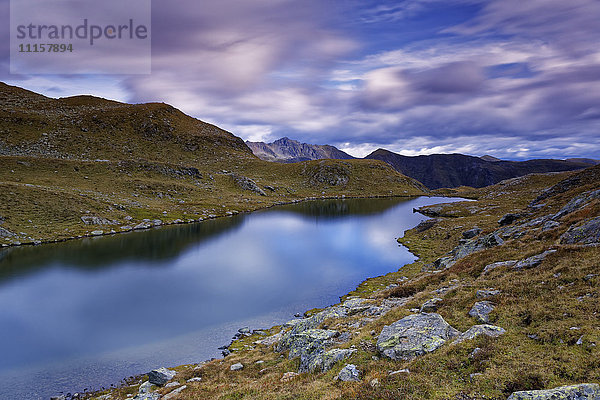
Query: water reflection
(99,309)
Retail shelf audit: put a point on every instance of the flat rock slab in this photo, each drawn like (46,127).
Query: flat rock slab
(477,330)
(414,336)
(533,261)
(584,391)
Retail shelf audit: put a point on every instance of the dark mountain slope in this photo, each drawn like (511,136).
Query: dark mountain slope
(453,170)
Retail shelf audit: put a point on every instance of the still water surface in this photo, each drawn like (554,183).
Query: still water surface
(86,313)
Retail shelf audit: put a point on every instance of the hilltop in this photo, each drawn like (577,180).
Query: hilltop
(83,165)
(502,303)
(289,151)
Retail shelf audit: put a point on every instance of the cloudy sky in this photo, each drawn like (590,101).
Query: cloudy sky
(516,79)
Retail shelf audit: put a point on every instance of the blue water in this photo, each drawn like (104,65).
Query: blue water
(87,313)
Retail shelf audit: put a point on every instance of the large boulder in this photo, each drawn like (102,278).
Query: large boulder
(484,242)
(309,345)
(584,391)
(586,233)
(414,336)
(160,376)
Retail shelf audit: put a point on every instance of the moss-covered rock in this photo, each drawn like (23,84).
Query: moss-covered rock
(584,391)
(414,336)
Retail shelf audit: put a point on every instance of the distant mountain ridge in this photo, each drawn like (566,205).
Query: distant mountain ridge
(452,170)
(288,151)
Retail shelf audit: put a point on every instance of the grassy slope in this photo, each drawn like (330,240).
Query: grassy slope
(546,301)
(67,158)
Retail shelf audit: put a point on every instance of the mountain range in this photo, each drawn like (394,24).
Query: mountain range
(289,151)
(434,171)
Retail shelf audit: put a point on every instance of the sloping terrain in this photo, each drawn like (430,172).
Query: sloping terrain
(512,307)
(88,166)
(289,151)
(453,170)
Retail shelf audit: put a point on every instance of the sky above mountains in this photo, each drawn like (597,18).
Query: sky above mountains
(512,78)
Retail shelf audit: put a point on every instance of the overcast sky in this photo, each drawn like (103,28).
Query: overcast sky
(516,79)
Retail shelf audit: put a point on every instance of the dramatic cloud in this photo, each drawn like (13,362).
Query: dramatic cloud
(512,79)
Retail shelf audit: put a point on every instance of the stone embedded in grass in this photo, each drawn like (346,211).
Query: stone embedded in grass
(173,393)
(414,336)
(477,330)
(288,376)
(483,293)
(481,311)
(147,396)
(533,261)
(195,379)
(348,374)
(584,391)
(495,265)
(431,305)
(160,376)
(508,219)
(236,367)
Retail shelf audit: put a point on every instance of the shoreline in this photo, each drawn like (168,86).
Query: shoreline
(228,213)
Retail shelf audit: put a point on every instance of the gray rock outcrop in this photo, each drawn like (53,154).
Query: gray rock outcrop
(325,361)
(508,219)
(245,183)
(586,233)
(584,391)
(471,233)
(469,247)
(495,265)
(414,336)
(533,261)
(577,203)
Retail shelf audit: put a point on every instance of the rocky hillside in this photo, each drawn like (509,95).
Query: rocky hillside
(83,166)
(454,170)
(502,304)
(290,151)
